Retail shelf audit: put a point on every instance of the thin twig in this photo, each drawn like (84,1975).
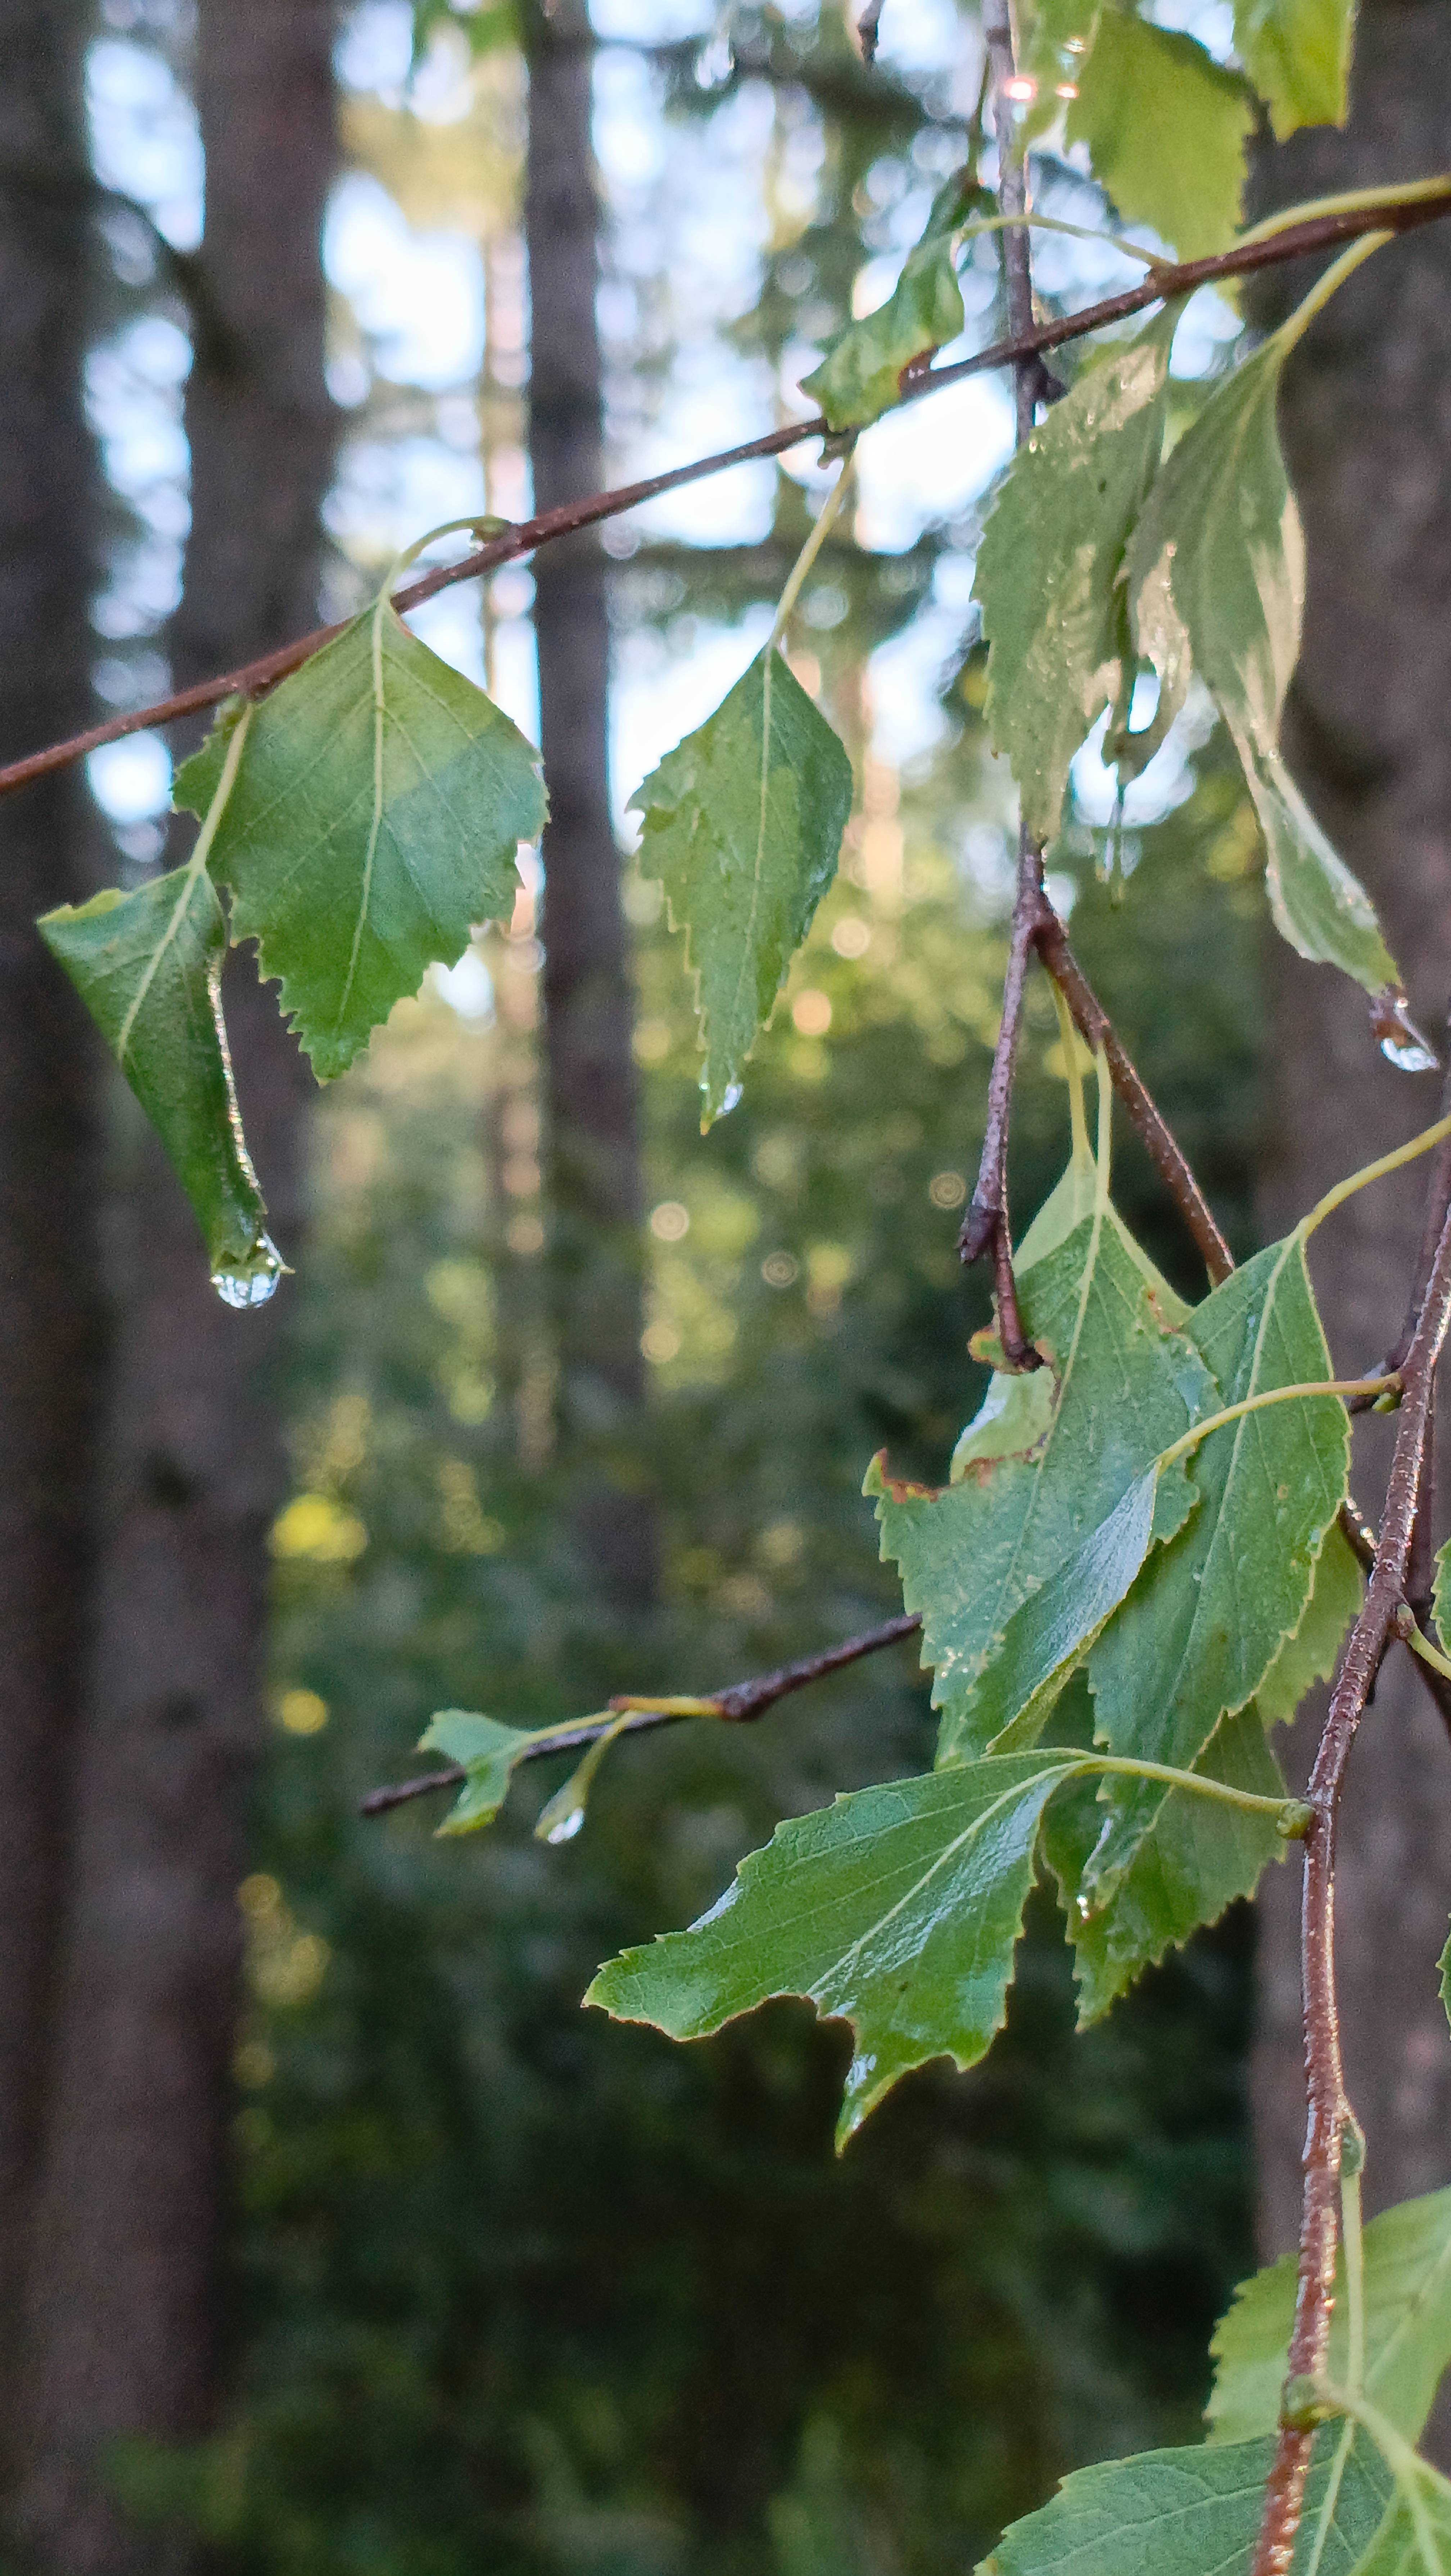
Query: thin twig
(1329,2111)
(986,1226)
(1297,241)
(1095,1026)
(740,1703)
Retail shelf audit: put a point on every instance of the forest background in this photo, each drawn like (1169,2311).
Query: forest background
(477,2280)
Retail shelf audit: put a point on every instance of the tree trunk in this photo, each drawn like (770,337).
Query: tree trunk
(50,1063)
(1365,413)
(593,1141)
(123,2316)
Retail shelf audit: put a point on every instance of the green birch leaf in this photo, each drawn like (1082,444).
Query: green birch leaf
(1313,1652)
(374,819)
(742,824)
(1125,1384)
(1212,1609)
(1046,1639)
(1197,2513)
(148,967)
(1407,2327)
(1441,1595)
(1049,565)
(1053,38)
(1216,575)
(488,1751)
(1297,54)
(1198,1857)
(1166,128)
(1415,2537)
(896,1909)
(859,377)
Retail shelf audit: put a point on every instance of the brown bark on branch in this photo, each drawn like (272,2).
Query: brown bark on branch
(1299,241)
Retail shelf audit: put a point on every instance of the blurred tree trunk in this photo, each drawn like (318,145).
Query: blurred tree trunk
(593,1130)
(1365,416)
(50,1065)
(124,2280)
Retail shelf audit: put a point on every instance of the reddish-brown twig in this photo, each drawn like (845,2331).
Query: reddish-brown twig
(1329,2110)
(1095,1026)
(985,1228)
(740,1703)
(1297,241)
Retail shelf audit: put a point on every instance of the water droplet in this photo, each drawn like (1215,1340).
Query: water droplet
(1396,1034)
(253,1281)
(564,1829)
(733,1093)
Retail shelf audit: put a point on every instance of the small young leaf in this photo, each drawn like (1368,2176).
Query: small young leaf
(1195,2513)
(858,378)
(1166,129)
(1212,1609)
(1407,2297)
(374,820)
(1198,1858)
(1444,1965)
(896,1908)
(148,967)
(1125,1385)
(1216,583)
(488,1751)
(743,825)
(1047,580)
(1297,54)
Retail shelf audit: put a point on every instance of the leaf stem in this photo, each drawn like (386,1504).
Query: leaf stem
(1376,1171)
(1151,259)
(1341,1386)
(1298,238)
(826,519)
(1419,1643)
(1291,1814)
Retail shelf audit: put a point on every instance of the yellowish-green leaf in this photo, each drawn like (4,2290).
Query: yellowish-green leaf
(1166,128)
(859,377)
(148,967)
(1407,2296)
(375,818)
(742,824)
(488,1751)
(1049,568)
(1297,54)
(1216,582)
